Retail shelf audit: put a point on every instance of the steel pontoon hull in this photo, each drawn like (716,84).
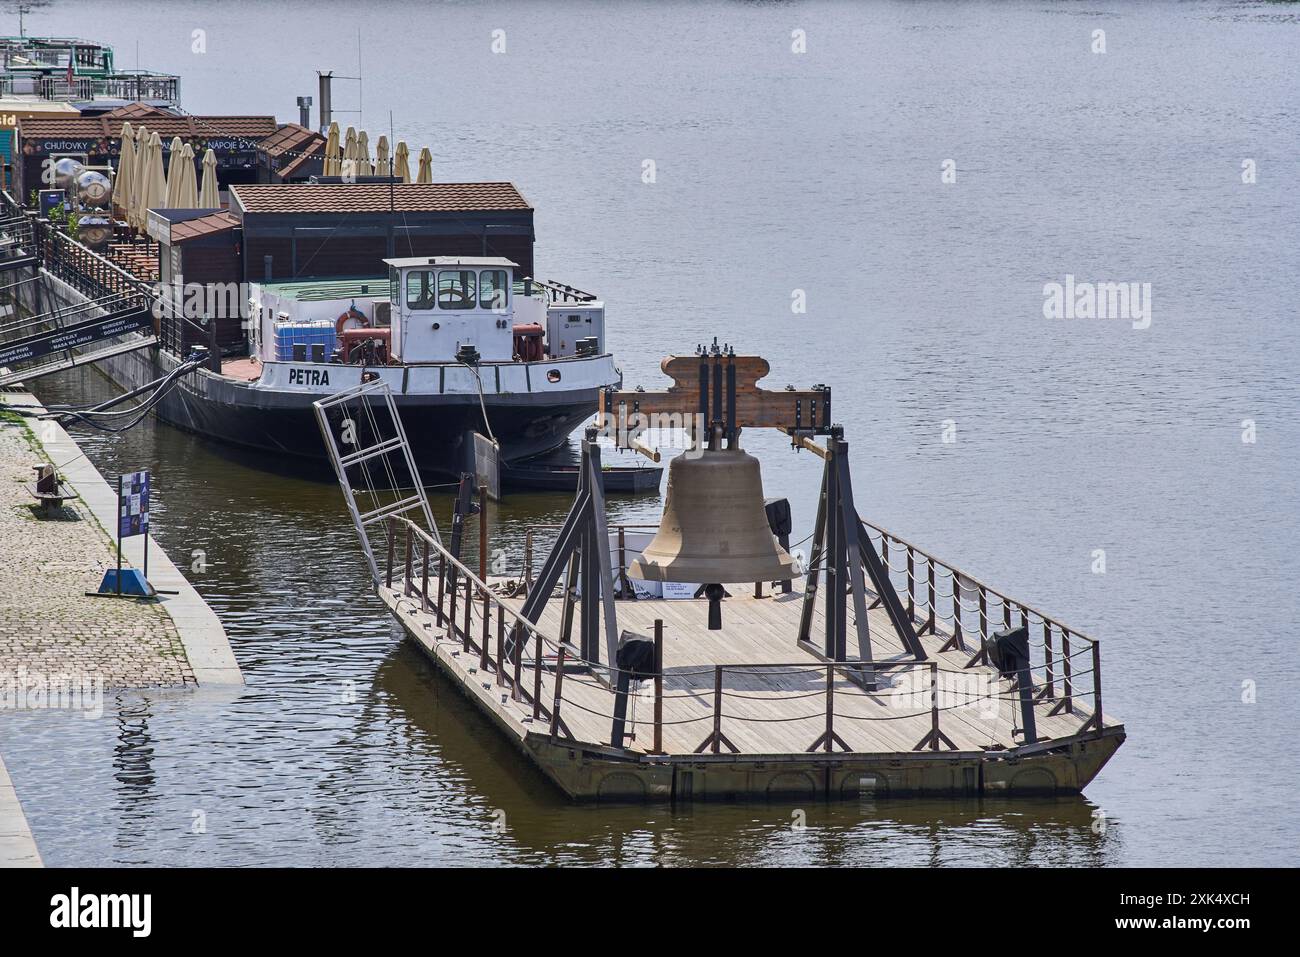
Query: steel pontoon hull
(282,423)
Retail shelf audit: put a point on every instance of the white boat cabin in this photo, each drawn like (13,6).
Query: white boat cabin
(431,310)
(443,305)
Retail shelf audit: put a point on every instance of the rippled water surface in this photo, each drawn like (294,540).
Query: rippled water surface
(779,172)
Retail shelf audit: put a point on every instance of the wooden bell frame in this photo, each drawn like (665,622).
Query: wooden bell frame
(714,395)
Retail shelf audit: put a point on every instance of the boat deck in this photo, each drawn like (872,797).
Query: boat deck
(245,369)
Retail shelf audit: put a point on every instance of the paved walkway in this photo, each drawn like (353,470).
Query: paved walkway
(50,630)
(178,640)
(60,648)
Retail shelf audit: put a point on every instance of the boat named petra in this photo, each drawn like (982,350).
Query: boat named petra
(465,348)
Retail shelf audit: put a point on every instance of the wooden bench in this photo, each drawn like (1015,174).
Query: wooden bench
(49,490)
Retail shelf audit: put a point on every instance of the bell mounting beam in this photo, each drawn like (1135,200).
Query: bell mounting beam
(581,553)
(715,388)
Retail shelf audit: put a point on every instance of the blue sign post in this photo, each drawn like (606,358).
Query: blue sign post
(132,516)
(132,520)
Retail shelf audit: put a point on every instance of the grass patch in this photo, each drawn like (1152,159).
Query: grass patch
(20,421)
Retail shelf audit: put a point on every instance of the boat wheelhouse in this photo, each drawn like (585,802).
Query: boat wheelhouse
(438,325)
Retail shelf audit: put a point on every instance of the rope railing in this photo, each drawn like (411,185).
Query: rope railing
(970,598)
(974,608)
(949,570)
(832,685)
(467,605)
(974,611)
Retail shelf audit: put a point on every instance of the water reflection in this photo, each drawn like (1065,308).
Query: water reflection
(133,770)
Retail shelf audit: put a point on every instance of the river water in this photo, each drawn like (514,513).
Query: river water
(781,176)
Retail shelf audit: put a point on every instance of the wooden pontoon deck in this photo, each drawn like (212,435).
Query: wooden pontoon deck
(774,705)
(788,704)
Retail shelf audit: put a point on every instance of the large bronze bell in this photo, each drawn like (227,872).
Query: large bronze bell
(714,528)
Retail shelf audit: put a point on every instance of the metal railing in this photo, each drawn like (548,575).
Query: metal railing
(140,86)
(973,610)
(556,292)
(82,268)
(17,238)
(118,86)
(447,587)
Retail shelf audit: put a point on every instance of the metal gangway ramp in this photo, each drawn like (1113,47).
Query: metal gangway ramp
(78,335)
(372,460)
(115,314)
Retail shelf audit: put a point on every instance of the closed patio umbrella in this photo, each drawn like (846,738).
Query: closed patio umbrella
(125,169)
(175,168)
(383,166)
(349,165)
(402,162)
(155,191)
(425,174)
(332,154)
(187,194)
(364,167)
(209,196)
(138,176)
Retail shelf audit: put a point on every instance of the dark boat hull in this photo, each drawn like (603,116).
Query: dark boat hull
(526,475)
(284,424)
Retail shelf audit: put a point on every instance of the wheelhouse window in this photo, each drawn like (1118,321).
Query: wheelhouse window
(419,289)
(493,291)
(456,289)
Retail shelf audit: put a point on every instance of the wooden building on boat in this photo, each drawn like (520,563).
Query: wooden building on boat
(199,258)
(317,230)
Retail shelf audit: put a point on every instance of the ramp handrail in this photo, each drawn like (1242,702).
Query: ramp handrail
(96,277)
(513,632)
